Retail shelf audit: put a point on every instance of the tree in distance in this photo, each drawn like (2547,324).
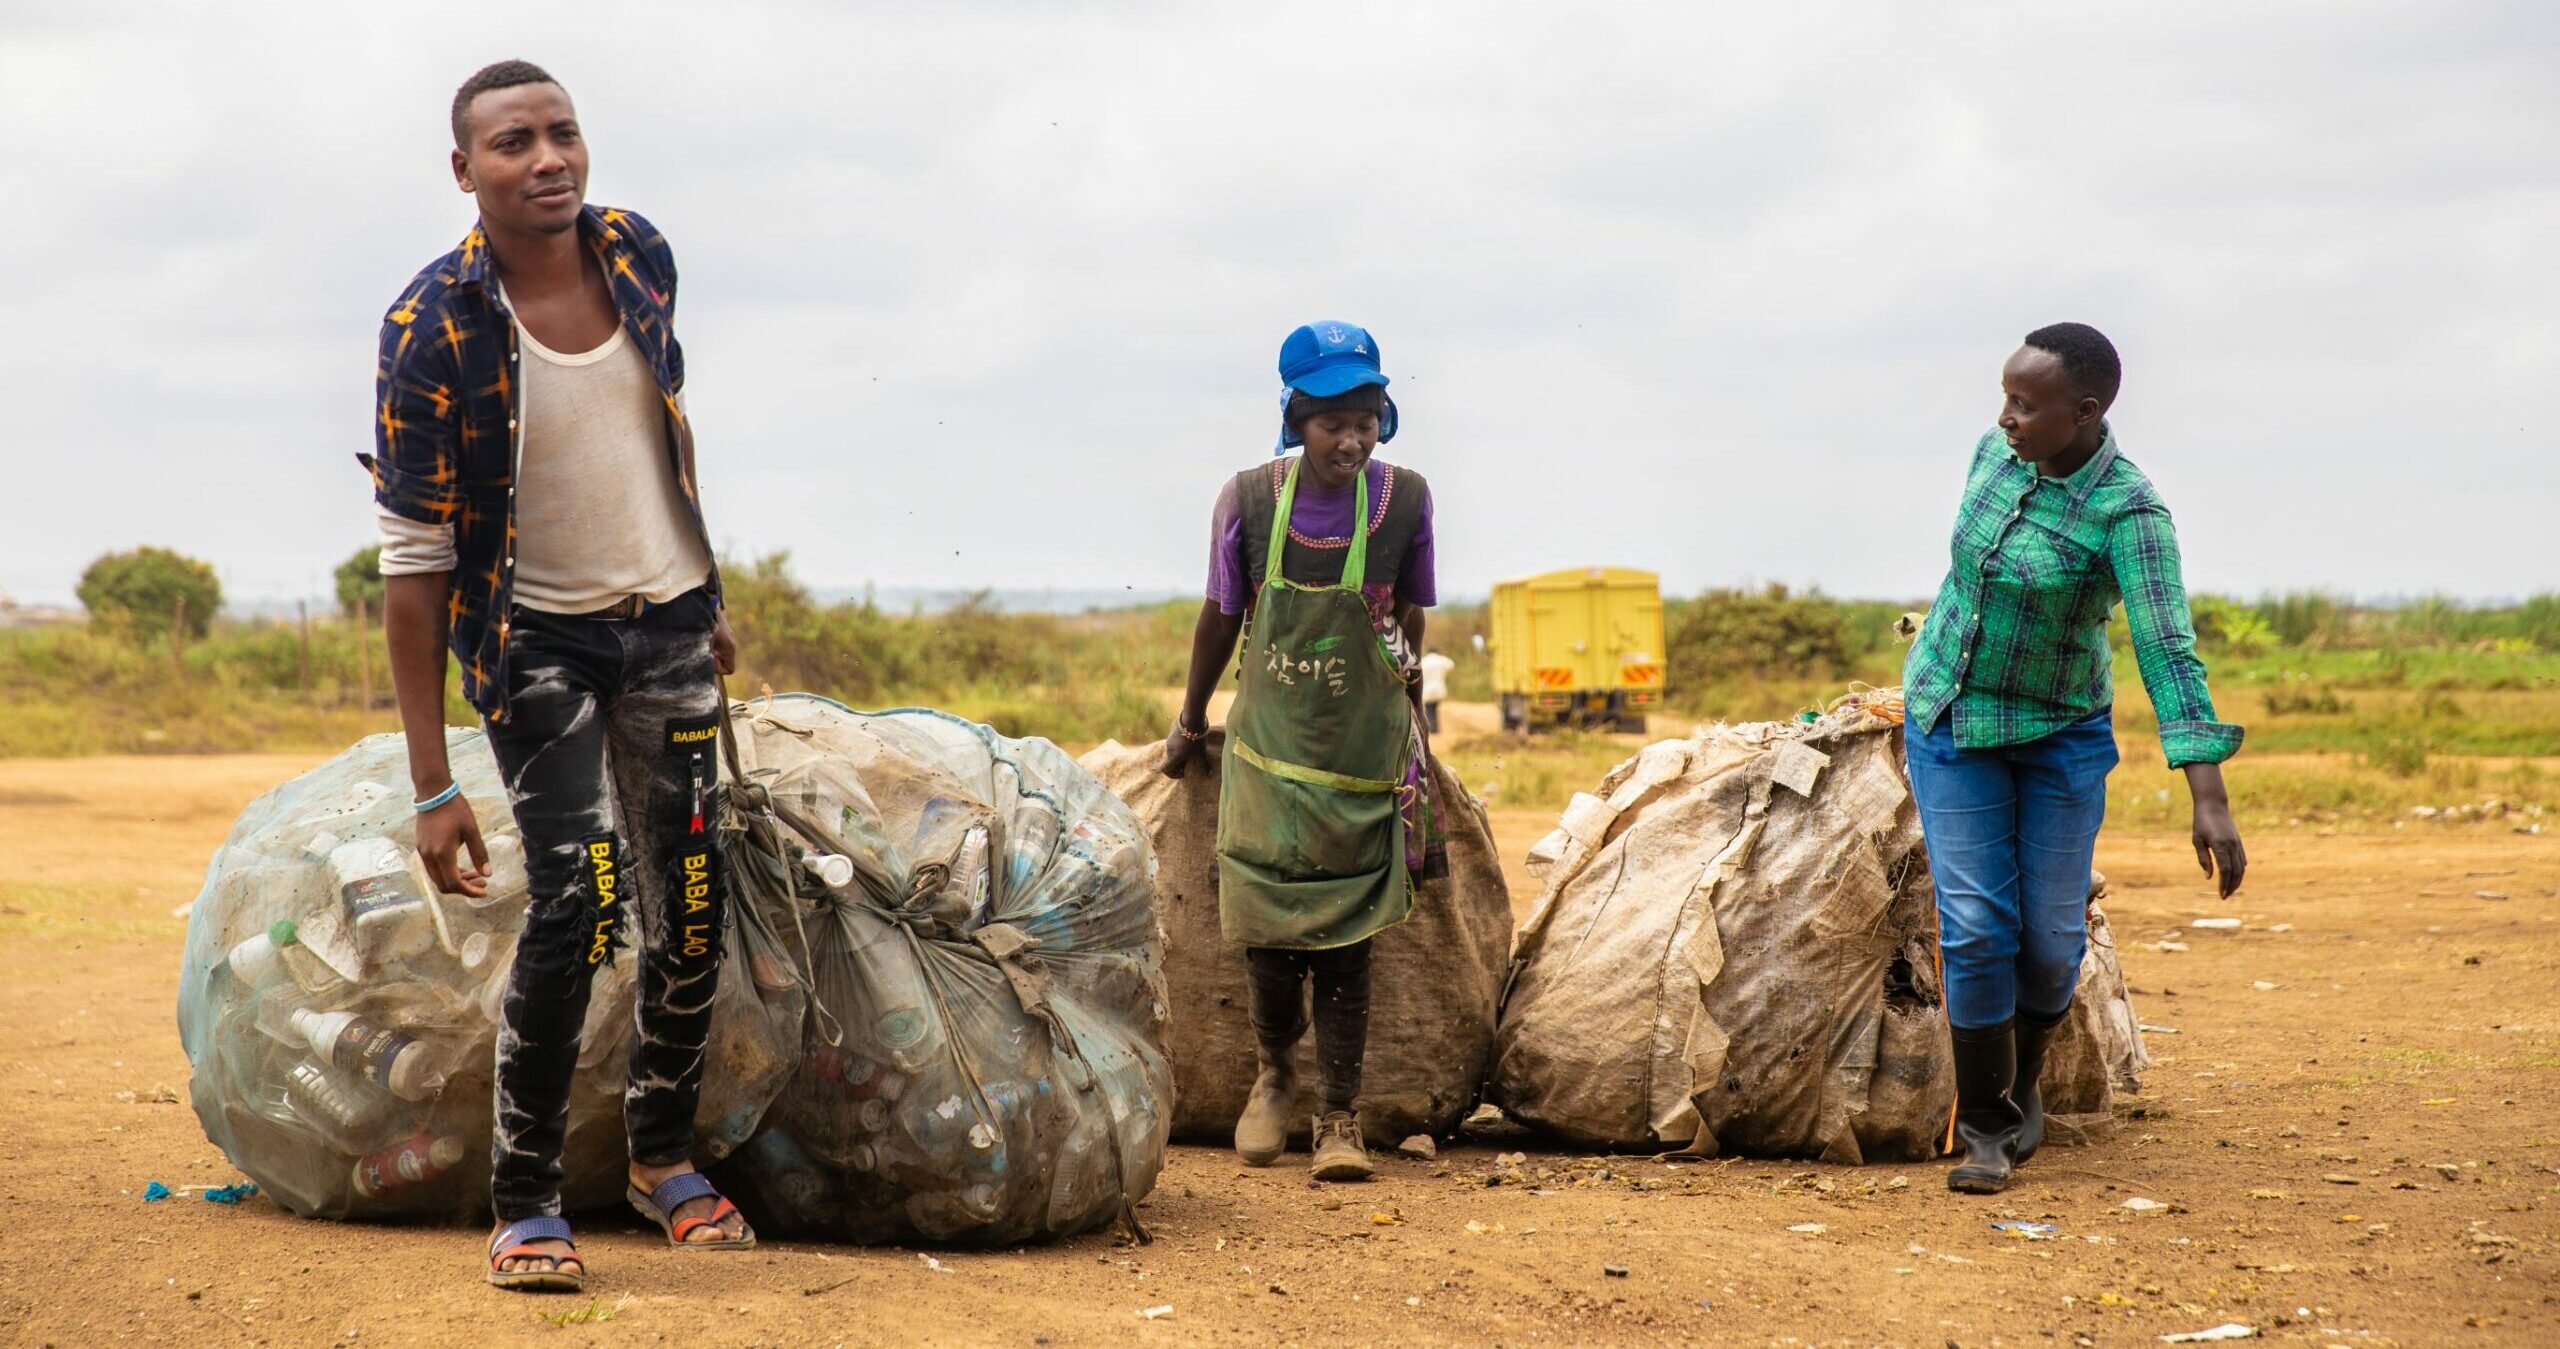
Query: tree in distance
(140,592)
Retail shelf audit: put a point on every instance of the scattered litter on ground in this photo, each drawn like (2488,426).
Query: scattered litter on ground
(1476,1228)
(2280,927)
(2171,947)
(2263,986)
(230,1194)
(1386,1217)
(2149,1029)
(2020,1227)
(1812,1229)
(1614,1271)
(155,1191)
(935,1265)
(2141,1205)
(1157,1313)
(2217,924)
(2228,1330)
(2340,1178)
(2488,894)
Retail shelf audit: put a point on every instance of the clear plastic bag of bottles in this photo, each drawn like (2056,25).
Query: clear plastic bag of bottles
(341,1016)
(984,1059)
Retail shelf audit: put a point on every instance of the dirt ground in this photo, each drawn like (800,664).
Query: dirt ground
(2354,1130)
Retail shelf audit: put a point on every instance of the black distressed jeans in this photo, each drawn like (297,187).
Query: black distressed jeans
(609,750)
(1341,978)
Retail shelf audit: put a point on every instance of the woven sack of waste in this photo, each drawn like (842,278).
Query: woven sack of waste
(1434,985)
(1736,950)
(983,1060)
(340,1015)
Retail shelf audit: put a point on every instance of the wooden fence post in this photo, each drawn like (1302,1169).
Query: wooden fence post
(364,651)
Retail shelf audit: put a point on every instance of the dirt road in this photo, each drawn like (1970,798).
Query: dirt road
(2354,1131)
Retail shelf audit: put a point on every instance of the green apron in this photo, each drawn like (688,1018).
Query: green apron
(1310,844)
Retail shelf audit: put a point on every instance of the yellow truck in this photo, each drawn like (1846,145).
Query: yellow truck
(1579,647)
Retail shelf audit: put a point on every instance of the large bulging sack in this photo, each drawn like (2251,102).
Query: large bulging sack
(939,1014)
(341,1016)
(1736,950)
(1435,979)
(984,1058)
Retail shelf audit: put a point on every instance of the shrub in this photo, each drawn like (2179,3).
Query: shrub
(1730,634)
(360,581)
(140,592)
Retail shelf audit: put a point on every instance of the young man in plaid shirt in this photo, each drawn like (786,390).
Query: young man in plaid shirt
(533,478)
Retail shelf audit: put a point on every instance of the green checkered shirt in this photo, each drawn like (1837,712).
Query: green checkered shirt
(2016,646)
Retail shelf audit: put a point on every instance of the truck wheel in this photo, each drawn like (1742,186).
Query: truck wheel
(1631,723)
(1515,713)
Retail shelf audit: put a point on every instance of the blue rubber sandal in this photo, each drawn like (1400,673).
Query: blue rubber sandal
(515,1242)
(674,1193)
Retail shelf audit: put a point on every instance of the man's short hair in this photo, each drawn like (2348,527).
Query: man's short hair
(2087,357)
(496,75)
(1369,398)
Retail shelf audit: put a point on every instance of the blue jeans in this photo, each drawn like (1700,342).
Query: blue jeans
(2011,832)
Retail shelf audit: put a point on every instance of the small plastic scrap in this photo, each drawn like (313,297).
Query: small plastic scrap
(2141,1205)
(154,1191)
(230,1194)
(2018,1227)
(2228,1330)
(1157,1313)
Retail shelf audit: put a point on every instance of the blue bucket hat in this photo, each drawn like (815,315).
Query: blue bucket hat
(1325,359)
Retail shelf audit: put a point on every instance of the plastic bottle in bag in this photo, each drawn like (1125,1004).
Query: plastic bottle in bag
(254,960)
(352,1044)
(413,1161)
(385,898)
(343,1110)
(300,961)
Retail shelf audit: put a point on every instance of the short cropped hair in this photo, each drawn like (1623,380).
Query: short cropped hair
(2086,355)
(1369,398)
(494,76)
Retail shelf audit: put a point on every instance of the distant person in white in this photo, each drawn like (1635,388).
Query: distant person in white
(1435,686)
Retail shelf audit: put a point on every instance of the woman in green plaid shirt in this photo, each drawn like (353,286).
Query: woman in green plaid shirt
(2011,733)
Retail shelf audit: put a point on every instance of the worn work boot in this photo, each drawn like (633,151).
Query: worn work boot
(2028,1091)
(1262,1131)
(1987,1120)
(1339,1154)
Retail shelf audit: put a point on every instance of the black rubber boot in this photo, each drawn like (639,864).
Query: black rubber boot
(1987,1121)
(2034,1033)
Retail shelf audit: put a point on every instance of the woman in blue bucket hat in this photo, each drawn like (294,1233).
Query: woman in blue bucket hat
(1322,562)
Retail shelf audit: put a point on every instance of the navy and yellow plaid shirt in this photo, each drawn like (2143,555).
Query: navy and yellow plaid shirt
(445,433)
(2016,646)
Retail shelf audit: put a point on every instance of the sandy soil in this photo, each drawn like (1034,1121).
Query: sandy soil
(2355,1131)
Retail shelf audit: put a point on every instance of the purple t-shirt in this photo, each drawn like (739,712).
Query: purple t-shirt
(1323,514)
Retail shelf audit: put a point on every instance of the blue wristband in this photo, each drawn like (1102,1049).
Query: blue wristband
(451,791)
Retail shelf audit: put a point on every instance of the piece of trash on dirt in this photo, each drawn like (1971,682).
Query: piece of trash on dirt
(2448,1170)
(1614,1271)
(2141,1205)
(2171,947)
(1419,1146)
(1478,1228)
(2263,986)
(2228,1330)
(935,1265)
(2488,894)
(1812,1229)
(2217,924)
(2148,1029)
(2280,927)
(230,1194)
(2341,1178)
(2269,1194)
(2020,1227)
(2437,1100)
(1157,1313)
(1386,1217)
(155,1191)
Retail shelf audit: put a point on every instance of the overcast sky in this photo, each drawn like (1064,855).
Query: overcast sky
(990,294)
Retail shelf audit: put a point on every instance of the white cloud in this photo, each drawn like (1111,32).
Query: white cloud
(988,294)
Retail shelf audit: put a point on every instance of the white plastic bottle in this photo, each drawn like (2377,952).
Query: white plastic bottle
(385,898)
(353,1045)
